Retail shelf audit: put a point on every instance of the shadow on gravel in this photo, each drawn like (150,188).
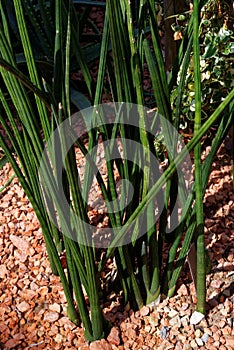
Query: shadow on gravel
(229,290)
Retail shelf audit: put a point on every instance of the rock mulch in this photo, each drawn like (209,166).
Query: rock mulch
(33,306)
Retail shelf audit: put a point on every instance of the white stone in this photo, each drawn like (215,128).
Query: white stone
(172,313)
(166,309)
(199,341)
(51,316)
(175,321)
(55,307)
(196,317)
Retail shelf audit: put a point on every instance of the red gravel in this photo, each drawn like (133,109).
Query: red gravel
(32,303)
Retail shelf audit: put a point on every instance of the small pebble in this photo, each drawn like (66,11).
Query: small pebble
(19,243)
(164,332)
(100,345)
(51,316)
(182,290)
(113,337)
(224,312)
(184,320)
(222,323)
(216,336)
(228,305)
(165,322)
(187,347)
(184,306)
(166,309)
(144,311)
(172,313)
(154,320)
(23,307)
(148,328)
(198,333)
(181,337)
(3,271)
(214,328)
(230,321)
(205,337)
(193,344)
(58,338)
(196,317)
(217,344)
(226,330)
(199,341)
(175,321)
(55,307)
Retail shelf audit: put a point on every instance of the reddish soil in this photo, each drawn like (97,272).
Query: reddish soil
(33,306)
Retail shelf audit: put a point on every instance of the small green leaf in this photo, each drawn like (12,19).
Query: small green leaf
(206,22)
(210,51)
(181,18)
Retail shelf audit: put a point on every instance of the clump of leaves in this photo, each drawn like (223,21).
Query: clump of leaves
(217,46)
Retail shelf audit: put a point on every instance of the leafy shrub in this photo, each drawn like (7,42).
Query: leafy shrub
(217,47)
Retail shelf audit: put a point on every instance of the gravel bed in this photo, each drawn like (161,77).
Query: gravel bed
(33,306)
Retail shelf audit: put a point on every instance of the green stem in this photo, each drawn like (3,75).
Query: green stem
(201,274)
(169,171)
